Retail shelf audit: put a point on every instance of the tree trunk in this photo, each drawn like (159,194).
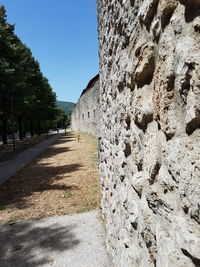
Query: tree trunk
(39,127)
(24,135)
(25,129)
(20,128)
(31,127)
(4,134)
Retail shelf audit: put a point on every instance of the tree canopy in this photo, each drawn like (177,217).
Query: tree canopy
(26,97)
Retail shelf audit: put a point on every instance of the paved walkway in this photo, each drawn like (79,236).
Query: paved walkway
(10,167)
(66,241)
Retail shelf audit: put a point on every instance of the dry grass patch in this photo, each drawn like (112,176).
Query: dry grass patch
(62,180)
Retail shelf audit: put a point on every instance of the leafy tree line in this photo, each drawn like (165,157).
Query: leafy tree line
(27,101)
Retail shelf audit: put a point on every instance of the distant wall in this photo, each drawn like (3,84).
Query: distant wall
(86,115)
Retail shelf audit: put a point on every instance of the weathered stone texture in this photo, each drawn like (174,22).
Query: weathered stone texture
(86,114)
(150,144)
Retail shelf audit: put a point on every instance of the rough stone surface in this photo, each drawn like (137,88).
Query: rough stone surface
(86,114)
(150,130)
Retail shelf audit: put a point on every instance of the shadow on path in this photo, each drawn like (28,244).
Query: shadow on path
(38,177)
(17,190)
(67,137)
(32,243)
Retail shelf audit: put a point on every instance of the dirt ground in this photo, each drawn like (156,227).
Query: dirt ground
(62,180)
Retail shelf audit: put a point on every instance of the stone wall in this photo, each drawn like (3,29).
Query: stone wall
(150,144)
(86,115)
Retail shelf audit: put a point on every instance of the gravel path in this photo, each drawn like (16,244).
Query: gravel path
(10,167)
(66,241)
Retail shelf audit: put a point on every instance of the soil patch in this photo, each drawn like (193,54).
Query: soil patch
(62,180)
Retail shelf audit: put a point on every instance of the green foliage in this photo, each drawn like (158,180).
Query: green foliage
(68,194)
(25,94)
(67,107)
(62,120)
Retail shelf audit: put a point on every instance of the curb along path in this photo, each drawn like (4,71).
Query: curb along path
(10,167)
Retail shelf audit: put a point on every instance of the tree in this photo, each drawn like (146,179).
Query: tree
(6,70)
(22,84)
(62,120)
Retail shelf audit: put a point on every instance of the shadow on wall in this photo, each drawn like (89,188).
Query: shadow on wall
(192,9)
(31,244)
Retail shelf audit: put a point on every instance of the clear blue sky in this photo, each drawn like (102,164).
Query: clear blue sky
(62,35)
